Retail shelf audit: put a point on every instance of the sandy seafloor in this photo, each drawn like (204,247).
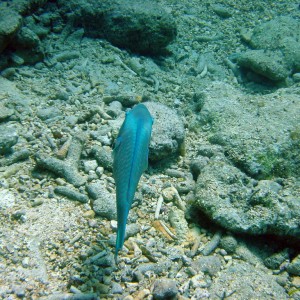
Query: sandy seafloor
(48,243)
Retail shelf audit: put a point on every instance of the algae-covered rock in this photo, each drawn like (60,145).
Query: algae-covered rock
(271,65)
(276,45)
(243,281)
(140,26)
(259,133)
(236,202)
(10,23)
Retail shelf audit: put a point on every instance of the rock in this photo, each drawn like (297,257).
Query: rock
(114,109)
(164,289)
(235,121)
(246,282)
(104,202)
(228,243)
(167,131)
(140,26)
(294,267)
(228,197)
(103,155)
(5,113)
(10,23)
(116,288)
(269,64)
(90,165)
(25,38)
(274,261)
(25,7)
(48,113)
(277,48)
(27,46)
(197,165)
(208,264)
(8,138)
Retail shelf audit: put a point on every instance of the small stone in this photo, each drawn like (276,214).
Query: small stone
(164,289)
(25,262)
(37,202)
(92,223)
(89,214)
(116,288)
(19,291)
(228,243)
(90,165)
(114,109)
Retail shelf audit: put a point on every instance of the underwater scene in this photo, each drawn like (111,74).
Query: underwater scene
(149,149)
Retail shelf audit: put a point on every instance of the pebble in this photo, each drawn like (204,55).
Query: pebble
(164,289)
(89,214)
(90,165)
(116,288)
(103,156)
(19,291)
(228,243)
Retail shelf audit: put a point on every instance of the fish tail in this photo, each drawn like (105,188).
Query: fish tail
(120,238)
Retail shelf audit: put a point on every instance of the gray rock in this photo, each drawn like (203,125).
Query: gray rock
(294,267)
(280,37)
(28,46)
(197,165)
(5,113)
(270,64)
(244,281)
(104,202)
(208,264)
(116,288)
(228,243)
(167,132)
(10,23)
(272,119)
(227,196)
(114,109)
(25,38)
(137,25)
(48,113)
(274,261)
(90,165)
(8,138)
(103,156)
(164,289)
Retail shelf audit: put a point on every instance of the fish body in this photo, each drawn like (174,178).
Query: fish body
(130,161)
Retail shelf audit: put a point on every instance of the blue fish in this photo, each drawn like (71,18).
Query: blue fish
(130,161)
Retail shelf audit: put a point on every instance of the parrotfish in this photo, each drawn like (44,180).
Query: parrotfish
(130,160)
